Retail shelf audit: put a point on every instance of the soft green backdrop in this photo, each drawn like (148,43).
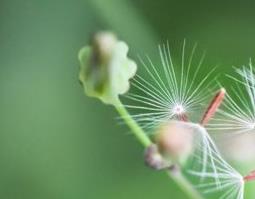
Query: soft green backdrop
(55,143)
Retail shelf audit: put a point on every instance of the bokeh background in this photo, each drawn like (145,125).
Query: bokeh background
(56,143)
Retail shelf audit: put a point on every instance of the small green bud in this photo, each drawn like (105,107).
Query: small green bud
(105,69)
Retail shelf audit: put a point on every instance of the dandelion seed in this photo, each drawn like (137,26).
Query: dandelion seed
(213,173)
(209,171)
(238,111)
(175,141)
(169,92)
(171,98)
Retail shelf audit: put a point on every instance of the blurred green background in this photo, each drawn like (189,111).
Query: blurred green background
(56,143)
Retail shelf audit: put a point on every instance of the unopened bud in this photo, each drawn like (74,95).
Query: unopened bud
(105,68)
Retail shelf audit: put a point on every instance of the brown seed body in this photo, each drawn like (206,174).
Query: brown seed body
(174,140)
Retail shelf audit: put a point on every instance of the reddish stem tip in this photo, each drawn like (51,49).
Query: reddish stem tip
(183,117)
(213,106)
(249,177)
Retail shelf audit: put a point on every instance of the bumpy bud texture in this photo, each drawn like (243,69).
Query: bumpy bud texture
(105,68)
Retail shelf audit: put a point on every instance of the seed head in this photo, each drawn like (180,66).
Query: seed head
(237,115)
(171,90)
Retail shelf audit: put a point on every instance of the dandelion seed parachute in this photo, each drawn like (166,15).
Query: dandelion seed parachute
(171,96)
(210,172)
(205,167)
(237,115)
(167,92)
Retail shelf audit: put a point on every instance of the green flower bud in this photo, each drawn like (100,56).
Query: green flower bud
(105,69)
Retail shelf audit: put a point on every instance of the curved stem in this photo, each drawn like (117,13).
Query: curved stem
(185,185)
(142,137)
(136,129)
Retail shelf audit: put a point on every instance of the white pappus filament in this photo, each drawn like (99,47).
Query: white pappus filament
(237,114)
(167,92)
(211,172)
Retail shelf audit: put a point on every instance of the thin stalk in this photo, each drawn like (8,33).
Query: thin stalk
(184,185)
(136,129)
(213,106)
(250,177)
(143,138)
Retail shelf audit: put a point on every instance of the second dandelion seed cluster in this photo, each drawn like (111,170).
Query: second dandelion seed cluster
(167,105)
(171,103)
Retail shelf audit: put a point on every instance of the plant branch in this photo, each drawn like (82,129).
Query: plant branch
(143,138)
(136,129)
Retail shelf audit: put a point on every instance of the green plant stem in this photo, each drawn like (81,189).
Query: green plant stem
(136,129)
(184,185)
(142,137)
